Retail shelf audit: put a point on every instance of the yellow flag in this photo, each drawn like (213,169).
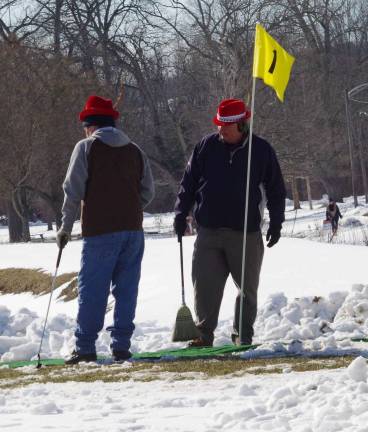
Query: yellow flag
(271,62)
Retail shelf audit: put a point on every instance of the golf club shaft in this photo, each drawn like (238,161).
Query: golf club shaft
(48,307)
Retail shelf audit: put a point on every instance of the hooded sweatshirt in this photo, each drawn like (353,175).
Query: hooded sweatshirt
(111,178)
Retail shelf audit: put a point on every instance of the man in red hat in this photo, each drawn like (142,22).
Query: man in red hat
(110,177)
(214,183)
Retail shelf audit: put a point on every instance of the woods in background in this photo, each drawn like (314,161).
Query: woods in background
(175,60)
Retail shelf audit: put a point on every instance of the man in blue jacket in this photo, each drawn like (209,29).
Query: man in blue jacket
(214,183)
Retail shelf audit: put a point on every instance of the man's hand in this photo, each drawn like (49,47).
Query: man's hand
(62,238)
(273,236)
(180,226)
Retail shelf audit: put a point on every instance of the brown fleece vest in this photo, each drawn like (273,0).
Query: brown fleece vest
(112,201)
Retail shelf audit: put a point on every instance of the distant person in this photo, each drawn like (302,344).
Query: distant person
(214,183)
(333,215)
(111,177)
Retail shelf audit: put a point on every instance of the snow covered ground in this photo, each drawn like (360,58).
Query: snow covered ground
(294,268)
(324,401)
(312,292)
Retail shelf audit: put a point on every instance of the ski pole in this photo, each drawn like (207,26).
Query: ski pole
(48,308)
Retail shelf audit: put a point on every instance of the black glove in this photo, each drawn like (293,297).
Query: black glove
(273,235)
(62,238)
(180,226)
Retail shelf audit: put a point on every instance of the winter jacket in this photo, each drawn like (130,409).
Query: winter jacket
(111,177)
(333,212)
(215,182)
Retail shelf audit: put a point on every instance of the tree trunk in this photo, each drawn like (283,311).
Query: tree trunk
(307,180)
(57,26)
(362,162)
(351,147)
(19,203)
(295,192)
(14,224)
(58,217)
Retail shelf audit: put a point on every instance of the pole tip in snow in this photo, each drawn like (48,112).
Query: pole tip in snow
(39,365)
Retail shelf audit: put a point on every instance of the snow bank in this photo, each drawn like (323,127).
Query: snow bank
(283,326)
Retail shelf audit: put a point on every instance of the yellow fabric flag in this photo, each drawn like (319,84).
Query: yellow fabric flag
(271,62)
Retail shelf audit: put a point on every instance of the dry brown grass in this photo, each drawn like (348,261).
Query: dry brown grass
(175,371)
(70,292)
(35,281)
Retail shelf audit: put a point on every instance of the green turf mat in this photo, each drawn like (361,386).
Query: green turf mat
(194,352)
(359,339)
(169,355)
(219,352)
(45,362)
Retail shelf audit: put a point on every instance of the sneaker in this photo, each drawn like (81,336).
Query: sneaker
(236,340)
(119,356)
(199,343)
(77,357)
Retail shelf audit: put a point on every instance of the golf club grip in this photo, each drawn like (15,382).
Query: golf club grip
(182,270)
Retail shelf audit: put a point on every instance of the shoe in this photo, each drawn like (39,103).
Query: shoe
(236,340)
(119,356)
(77,357)
(199,343)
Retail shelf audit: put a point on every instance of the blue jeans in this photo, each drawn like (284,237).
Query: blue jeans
(108,260)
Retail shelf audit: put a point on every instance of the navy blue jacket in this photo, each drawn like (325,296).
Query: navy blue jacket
(215,182)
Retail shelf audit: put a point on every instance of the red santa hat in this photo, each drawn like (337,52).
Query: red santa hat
(231,111)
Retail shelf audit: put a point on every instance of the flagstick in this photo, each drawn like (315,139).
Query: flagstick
(246,212)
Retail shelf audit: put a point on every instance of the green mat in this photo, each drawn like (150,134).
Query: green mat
(22,363)
(222,352)
(193,353)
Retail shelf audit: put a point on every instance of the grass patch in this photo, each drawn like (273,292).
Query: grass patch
(70,292)
(176,371)
(35,281)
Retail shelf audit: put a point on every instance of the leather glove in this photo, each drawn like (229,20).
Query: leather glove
(273,236)
(62,238)
(180,226)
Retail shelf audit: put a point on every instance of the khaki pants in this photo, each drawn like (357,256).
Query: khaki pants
(218,253)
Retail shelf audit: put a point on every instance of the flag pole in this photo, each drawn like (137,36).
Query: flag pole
(246,211)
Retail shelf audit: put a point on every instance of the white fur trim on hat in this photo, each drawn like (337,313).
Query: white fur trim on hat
(230,119)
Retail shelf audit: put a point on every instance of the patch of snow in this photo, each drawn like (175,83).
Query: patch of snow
(357,370)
